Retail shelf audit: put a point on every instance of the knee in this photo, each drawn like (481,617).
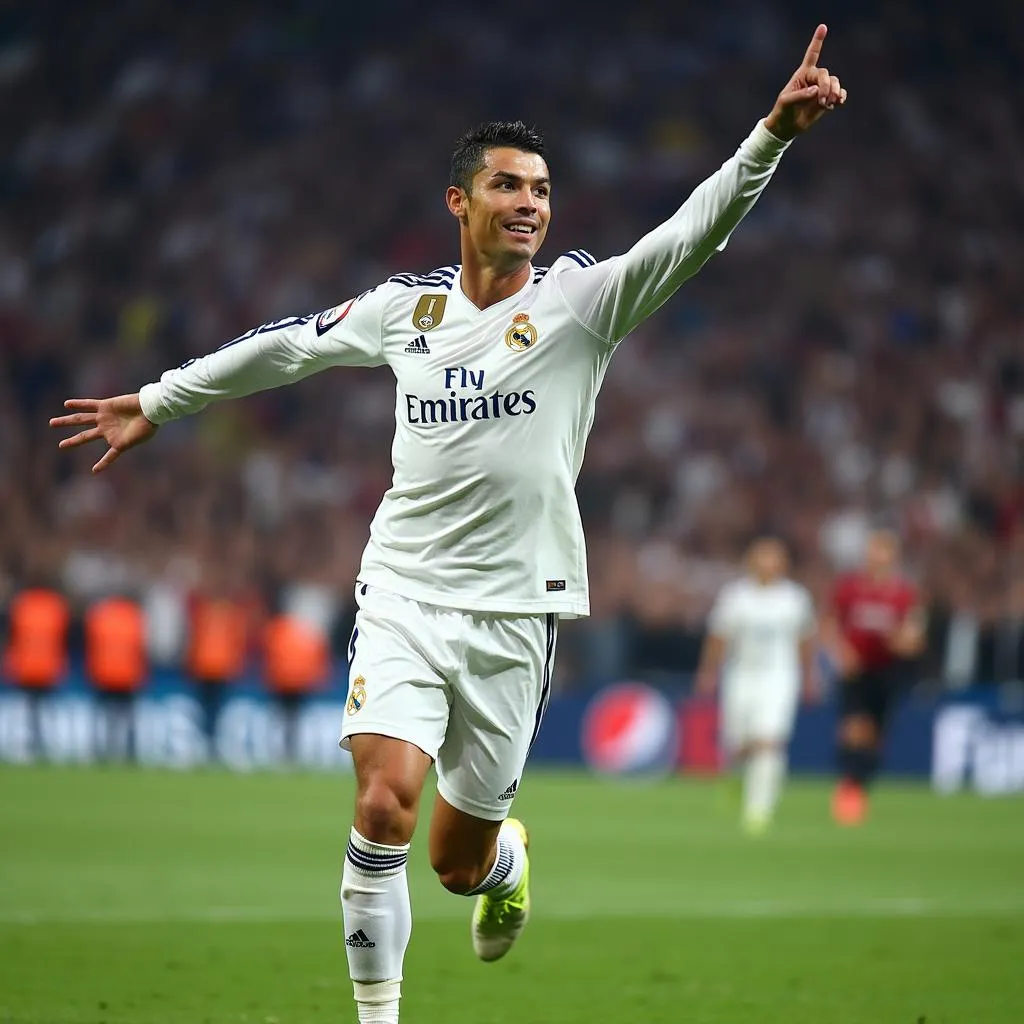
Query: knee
(385,812)
(858,731)
(460,879)
(457,874)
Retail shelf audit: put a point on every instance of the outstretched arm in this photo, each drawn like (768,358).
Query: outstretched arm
(266,357)
(611,298)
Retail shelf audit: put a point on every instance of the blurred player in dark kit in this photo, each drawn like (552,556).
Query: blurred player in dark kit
(876,627)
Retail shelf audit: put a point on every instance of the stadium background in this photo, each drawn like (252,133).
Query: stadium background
(178,173)
(173,174)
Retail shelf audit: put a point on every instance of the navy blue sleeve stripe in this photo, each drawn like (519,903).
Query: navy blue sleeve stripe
(421,284)
(352,647)
(426,278)
(576,259)
(410,278)
(442,273)
(267,328)
(273,325)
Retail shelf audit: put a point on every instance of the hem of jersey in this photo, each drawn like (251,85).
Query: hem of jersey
(471,807)
(380,729)
(392,583)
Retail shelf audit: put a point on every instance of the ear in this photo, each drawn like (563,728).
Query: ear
(456,200)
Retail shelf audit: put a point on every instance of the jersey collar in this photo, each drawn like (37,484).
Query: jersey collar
(475,310)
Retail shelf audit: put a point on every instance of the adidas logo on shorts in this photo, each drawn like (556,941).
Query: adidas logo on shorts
(418,346)
(510,793)
(359,940)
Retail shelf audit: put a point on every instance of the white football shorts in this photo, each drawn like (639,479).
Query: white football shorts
(757,708)
(467,688)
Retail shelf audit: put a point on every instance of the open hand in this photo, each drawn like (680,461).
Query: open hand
(118,421)
(808,94)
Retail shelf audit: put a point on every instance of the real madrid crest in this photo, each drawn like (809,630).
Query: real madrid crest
(522,334)
(428,312)
(356,696)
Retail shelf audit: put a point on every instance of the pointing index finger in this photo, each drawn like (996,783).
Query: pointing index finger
(814,47)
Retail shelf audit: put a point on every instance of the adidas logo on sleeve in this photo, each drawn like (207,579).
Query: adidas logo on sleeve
(418,346)
(510,793)
(359,940)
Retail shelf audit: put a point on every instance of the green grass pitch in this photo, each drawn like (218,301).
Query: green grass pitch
(138,897)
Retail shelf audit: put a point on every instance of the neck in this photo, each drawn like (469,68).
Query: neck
(485,284)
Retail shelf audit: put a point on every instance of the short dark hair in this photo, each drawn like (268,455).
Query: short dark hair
(468,155)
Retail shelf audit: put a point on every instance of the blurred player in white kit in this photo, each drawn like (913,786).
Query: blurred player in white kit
(760,649)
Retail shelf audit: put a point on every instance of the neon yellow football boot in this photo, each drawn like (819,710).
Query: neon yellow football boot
(498,921)
(756,824)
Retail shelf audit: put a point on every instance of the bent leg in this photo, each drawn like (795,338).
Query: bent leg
(496,713)
(486,859)
(463,848)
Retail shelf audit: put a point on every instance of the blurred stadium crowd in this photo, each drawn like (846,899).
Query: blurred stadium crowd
(175,174)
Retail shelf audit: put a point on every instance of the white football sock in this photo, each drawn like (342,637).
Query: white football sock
(377,1003)
(378,923)
(508,867)
(762,781)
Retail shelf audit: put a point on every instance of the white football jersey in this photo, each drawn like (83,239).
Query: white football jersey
(493,406)
(762,626)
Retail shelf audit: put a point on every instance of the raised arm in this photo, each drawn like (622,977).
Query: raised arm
(266,357)
(611,298)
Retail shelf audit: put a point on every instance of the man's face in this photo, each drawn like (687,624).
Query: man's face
(882,553)
(768,560)
(508,210)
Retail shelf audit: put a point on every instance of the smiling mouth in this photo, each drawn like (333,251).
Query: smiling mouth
(521,230)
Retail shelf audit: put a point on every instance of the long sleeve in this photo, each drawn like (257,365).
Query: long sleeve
(269,356)
(612,297)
